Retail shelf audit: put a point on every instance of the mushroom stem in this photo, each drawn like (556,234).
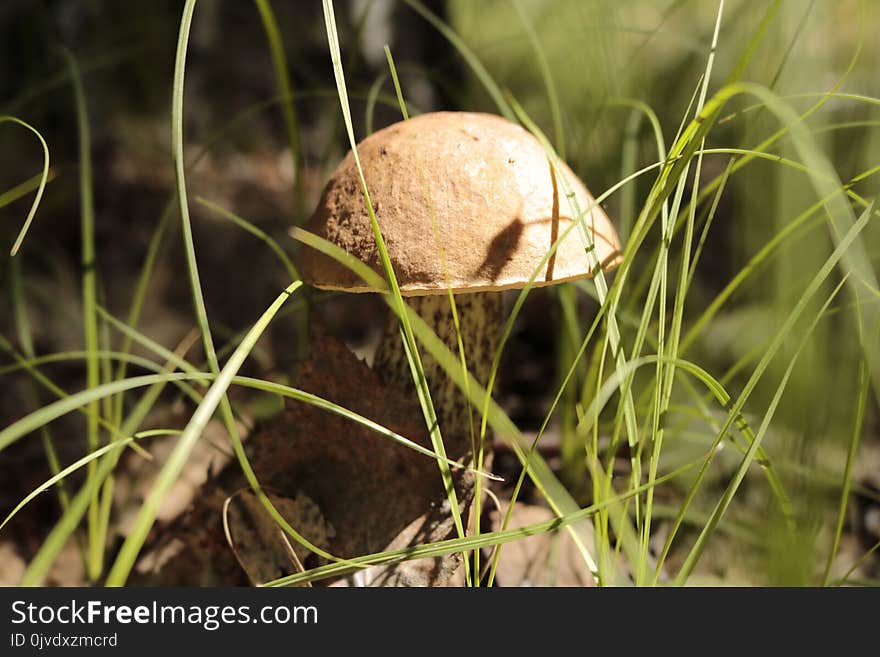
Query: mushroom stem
(480,318)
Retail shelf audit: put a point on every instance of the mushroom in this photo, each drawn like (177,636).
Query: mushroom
(465,201)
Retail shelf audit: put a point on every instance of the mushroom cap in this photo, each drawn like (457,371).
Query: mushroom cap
(463,200)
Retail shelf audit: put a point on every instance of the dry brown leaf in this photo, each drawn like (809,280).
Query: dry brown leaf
(369,489)
(261,546)
(548,559)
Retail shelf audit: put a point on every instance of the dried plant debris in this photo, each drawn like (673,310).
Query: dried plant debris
(345,488)
(547,559)
(262,548)
(435,522)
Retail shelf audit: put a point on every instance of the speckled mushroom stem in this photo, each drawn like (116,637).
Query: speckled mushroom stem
(480,318)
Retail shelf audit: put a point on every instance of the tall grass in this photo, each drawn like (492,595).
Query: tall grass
(704,387)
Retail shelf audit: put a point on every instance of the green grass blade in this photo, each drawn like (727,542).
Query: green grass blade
(124,562)
(852,454)
(393,70)
(666,375)
(89,298)
(44,177)
(612,329)
(558,497)
(59,476)
(25,339)
(282,80)
(260,234)
(406,329)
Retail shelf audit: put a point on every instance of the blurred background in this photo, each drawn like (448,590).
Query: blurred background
(596,57)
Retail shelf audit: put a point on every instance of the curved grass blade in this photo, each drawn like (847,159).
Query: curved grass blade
(257,232)
(546,75)
(61,474)
(44,177)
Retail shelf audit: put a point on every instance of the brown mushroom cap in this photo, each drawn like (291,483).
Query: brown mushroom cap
(476,185)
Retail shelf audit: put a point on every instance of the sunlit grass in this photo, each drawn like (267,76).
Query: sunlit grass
(648,380)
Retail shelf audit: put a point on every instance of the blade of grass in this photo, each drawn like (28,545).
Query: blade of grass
(25,339)
(288,109)
(714,519)
(665,376)
(855,260)
(477,447)
(864,384)
(406,329)
(824,179)
(393,71)
(58,477)
(846,577)
(89,301)
(124,562)
(612,330)
(260,234)
(778,240)
(54,410)
(29,364)
(44,177)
